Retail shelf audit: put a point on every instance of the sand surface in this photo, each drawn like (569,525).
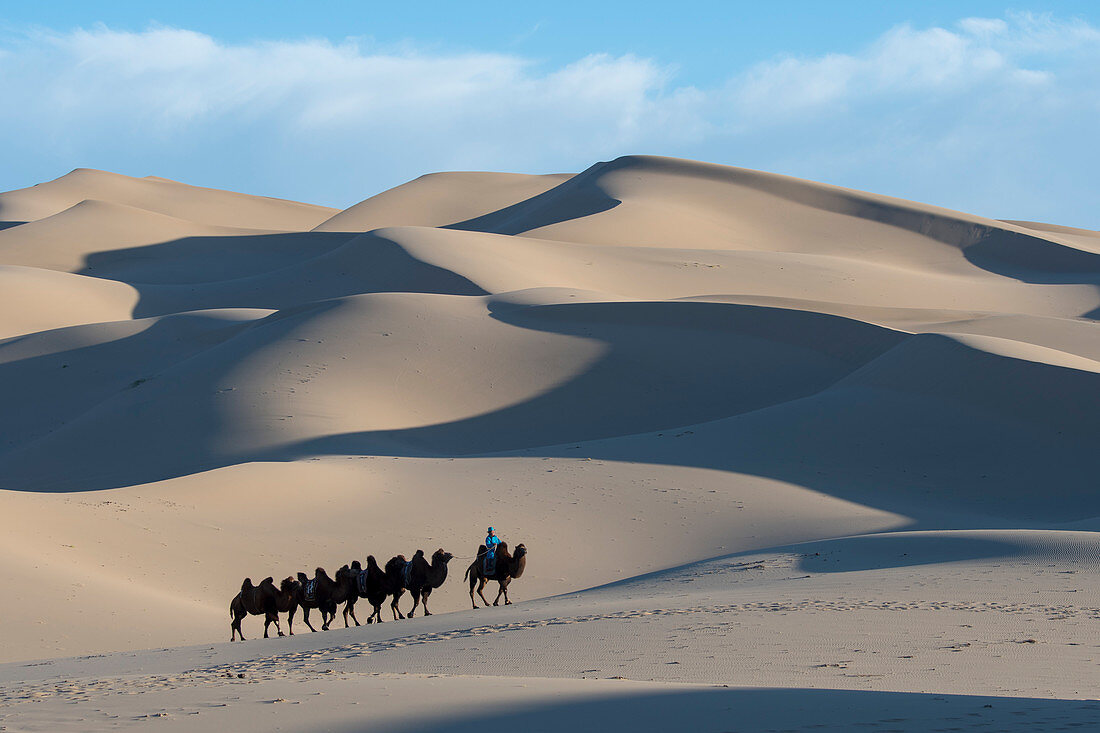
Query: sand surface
(785,456)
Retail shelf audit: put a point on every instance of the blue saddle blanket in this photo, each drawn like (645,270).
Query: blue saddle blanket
(362,581)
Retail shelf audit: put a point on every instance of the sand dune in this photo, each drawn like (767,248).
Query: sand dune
(439,199)
(33,300)
(660,375)
(202,205)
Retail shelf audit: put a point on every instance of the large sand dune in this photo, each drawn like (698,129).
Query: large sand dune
(652,363)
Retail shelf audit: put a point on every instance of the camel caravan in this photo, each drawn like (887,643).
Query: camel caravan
(373,583)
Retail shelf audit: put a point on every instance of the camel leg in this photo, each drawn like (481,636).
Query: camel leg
(376,613)
(349,607)
(235,628)
(427,592)
(473,582)
(500,589)
(305,618)
(290,619)
(504,589)
(393,607)
(480,589)
(416,602)
(271,618)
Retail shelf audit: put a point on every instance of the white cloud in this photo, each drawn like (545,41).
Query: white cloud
(335,122)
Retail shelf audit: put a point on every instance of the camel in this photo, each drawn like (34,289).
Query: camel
(264,599)
(395,579)
(508,567)
(318,593)
(422,578)
(344,591)
(372,584)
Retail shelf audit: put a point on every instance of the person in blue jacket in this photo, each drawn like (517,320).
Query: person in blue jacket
(491,542)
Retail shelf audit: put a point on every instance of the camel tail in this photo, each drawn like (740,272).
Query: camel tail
(469,570)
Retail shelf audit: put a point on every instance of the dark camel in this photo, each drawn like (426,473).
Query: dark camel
(395,580)
(344,591)
(324,589)
(422,578)
(375,586)
(508,567)
(262,600)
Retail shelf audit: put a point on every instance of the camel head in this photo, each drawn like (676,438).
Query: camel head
(519,560)
(441,555)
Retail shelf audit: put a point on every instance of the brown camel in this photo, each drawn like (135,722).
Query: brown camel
(261,600)
(507,568)
(372,584)
(421,578)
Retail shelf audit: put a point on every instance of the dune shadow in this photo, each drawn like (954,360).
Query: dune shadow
(9,224)
(270,271)
(201,260)
(570,199)
(880,551)
(888,550)
(751,709)
(1033,259)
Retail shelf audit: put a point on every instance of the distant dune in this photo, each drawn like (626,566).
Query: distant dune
(650,363)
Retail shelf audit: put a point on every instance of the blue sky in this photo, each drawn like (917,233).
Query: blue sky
(981,106)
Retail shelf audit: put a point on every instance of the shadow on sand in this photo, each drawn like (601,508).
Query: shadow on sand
(761,709)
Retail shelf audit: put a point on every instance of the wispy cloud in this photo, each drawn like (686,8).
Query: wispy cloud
(336,121)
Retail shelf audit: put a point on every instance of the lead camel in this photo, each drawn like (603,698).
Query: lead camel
(507,568)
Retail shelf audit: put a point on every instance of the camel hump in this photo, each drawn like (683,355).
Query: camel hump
(246,585)
(302,577)
(418,553)
(268,581)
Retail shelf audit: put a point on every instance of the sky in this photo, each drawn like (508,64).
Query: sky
(986,107)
